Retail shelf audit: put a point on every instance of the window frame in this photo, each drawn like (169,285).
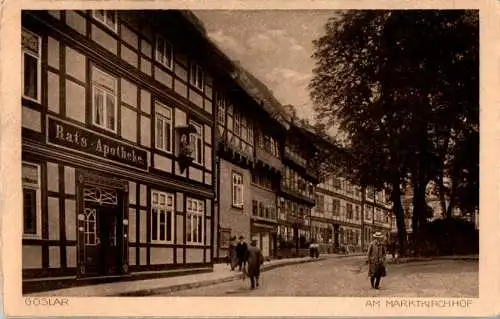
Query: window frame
(158,223)
(198,137)
(234,187)
(99,86)
(104,22)
(189,219)
(38,199)
(194,80)
(165,119)
(170,64)
(38,98)
(221,108)
(349,211)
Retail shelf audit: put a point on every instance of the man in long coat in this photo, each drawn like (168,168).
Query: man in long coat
(376,260)
(241,253)
(254,260)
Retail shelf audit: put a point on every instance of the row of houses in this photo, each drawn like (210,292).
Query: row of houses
(348,215)
(145,149)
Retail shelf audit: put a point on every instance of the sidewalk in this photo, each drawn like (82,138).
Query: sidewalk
(456,257)
(221,273)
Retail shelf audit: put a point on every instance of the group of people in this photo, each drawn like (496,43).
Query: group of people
(248,259)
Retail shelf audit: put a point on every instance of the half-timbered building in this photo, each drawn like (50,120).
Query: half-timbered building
(347,215)
(117,144)
(297,186)
(250,132)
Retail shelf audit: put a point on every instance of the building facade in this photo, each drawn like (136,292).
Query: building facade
(296,195)
(378,209)
(249,147)
(347,215)
(117,143)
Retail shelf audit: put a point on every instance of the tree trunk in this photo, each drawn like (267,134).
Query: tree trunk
(440,180)
(419,186)
(400,215)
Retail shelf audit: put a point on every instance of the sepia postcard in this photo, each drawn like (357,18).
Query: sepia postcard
(296,158)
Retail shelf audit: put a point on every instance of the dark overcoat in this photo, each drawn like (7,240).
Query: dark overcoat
(376,259)
(254,261)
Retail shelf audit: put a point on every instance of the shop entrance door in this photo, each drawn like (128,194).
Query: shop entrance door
(102,228)
(265,245)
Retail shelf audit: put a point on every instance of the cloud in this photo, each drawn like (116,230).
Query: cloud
(260,41)
(286,75)
(276,32)
(274,40)
(227,42)
(297,47)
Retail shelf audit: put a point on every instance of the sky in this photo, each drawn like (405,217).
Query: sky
(274,45)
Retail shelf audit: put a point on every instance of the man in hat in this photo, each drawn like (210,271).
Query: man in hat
(241,252)
(376,259)
(254,260)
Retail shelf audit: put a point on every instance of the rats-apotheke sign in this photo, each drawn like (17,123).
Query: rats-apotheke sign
(83,140)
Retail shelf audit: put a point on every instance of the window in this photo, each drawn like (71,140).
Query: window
(349,211)
(368,213)
(195,213)
(107,18)
(255,209)
(104,99)
(31,65)
(195,141)
(162,217)
(197,76)
(163,127)
(237,189)
(236,123)
(336,207)
(31,200)
(250,132)
(357,213)
(90,229)
(221,108)
(164,52)
(261,209)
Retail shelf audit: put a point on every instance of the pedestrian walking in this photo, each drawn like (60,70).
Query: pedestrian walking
(232,256)
(376,260)
(241,253)
(254,259)
(314,249)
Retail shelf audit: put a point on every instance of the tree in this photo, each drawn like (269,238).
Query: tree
(400,85)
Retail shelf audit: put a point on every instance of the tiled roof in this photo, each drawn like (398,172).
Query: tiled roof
(262,95)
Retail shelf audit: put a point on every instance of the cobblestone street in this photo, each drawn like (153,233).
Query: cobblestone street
(347,277)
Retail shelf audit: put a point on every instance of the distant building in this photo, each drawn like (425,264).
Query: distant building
(348,215)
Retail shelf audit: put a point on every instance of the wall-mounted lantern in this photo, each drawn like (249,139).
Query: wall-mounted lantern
(185,155)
